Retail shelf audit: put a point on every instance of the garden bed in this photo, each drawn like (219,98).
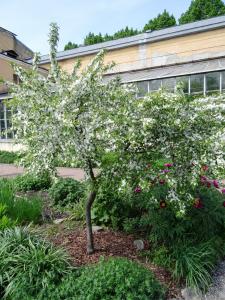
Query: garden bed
(110,244)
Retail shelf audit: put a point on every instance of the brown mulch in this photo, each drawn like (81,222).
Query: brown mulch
(107,244)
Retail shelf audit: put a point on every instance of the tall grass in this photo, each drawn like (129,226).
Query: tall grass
(21,209)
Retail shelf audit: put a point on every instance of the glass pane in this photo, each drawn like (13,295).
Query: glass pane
(1,110)
(2,129)
(142,88)
(197,83)
(169,84)
(213,81)
(154,85)
(223,80)
(183,82)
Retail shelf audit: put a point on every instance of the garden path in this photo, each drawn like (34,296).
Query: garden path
(10,170)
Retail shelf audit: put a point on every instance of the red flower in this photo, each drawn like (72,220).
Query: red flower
(162,181)
(137,190)
(149,166)
(205,168)
(224,204)
(208,184)
(198,203)
(162,204)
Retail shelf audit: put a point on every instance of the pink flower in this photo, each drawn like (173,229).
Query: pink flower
(216,184)
(137,190)
(224,204)
(168,165)
(223,191)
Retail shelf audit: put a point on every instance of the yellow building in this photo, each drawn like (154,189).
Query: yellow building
(192,53)
(12,51)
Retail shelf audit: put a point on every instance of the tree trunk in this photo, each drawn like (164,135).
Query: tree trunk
(90,240)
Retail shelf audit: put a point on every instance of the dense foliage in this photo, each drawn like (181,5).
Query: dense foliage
(17,209)
(163,20)
(7,157)
(202,9)
(66,191)
(29,182)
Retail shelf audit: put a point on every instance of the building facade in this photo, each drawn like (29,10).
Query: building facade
(193,54)
(12,51)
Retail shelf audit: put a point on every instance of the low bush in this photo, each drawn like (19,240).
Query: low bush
(7,157)
(28,264)
(116,278)
(28,182)
(19,209)
(65,191)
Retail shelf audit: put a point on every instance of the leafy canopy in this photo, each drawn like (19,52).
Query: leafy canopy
(163,20)
(202,9)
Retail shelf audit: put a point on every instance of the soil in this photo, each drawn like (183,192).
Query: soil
(107,244)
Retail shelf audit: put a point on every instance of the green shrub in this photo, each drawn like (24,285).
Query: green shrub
(66,191)
(7,157)
(116,278)
(29,264)
(28,182)
(20,209)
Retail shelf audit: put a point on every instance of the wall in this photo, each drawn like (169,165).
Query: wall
(177,50)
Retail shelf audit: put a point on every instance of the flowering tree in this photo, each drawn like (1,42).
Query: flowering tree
(77,115)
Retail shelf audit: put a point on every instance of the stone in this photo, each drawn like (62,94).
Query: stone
(97,228)
(190,294)
(139,245)
(59,221)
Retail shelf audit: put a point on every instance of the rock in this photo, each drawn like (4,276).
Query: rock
(97,228)
(139,245)
(190,294)
(59,221)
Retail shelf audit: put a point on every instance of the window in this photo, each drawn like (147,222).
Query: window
(183,82)
(142,88)
(212,82)
(197,84)
(169,84)
(223,80)
(154,85)
(5,122)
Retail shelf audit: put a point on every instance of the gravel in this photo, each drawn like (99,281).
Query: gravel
(217,289)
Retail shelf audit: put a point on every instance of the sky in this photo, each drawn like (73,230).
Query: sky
(30,19)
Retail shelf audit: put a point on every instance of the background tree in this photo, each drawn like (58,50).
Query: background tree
(70,46)
(202,9)
(92,39)
(163,20)
(126,32)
